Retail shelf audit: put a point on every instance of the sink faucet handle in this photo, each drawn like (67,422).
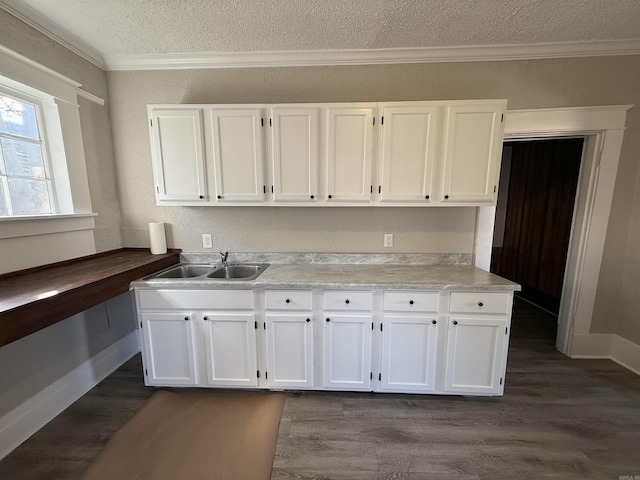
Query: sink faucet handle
(225,256)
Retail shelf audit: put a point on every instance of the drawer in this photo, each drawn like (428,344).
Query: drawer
(409,301)
(288,299)
(479,302)
(347,300)
(196,299)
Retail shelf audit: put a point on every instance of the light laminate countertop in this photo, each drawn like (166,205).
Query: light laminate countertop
(420,277)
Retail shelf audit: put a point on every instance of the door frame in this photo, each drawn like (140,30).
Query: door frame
(603,129)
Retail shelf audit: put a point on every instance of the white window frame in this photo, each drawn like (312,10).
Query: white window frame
(61,116)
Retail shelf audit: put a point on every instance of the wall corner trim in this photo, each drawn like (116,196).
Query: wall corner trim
(25,420)
(609,346)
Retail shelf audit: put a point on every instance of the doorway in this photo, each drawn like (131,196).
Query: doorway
(538,185)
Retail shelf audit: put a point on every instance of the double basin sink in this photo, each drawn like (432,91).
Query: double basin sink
(236,271)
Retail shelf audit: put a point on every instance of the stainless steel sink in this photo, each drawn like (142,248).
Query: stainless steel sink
(238,271)
(185,271)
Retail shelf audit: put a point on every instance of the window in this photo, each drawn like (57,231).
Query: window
(25,174)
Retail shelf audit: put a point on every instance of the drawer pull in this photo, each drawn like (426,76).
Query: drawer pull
(308,320)
(346,301)
(455,322)
(434,322)
(186,319)
(480,304)
(205,318)
(410,302)
(328,320)
(287,301)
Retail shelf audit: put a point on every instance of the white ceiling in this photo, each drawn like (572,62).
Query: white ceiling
(113,31)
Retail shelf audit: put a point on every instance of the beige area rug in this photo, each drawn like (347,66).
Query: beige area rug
(194,436)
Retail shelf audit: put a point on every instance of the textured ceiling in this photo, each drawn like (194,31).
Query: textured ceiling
(133,27)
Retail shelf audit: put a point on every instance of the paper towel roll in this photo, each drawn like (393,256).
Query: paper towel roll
(158,238)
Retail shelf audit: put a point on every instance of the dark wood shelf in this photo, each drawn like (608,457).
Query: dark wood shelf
(33,299)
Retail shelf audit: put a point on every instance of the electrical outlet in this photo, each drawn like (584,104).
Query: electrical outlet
(206,240)
(388,239)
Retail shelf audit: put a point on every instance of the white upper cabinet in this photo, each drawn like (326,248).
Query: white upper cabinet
(238,154)
(178,155)
(441,153)
(294,153)
(472,153)
(349,154)
(410,136)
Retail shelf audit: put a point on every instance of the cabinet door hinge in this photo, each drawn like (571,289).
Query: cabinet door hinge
(264,325)
(371,188)
(506,329)
(379,188)
(255,324)
(266,375)
(379,377)
(370,375)
(270,123)
(140,324)
(151,121)
(380,327)
(271,188)
(374,120)
(500,380)
(157,189)
(382,120)
(502,118)
(146,372)
(258,373)
(495,187)
(264,189)
(371,325)
(262,122)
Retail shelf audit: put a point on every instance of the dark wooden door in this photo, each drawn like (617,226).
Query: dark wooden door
(541,194)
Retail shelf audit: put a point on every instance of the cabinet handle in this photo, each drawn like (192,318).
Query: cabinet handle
(201,197)
(205,318)
(219,196)
(308,320)
(455,322)
(312,197)
(287,301)
(480,304)
(329,196)
(186,319)
(410,302)
(426,197)
(446,197)
(434,322)
(328,319)
(346,301)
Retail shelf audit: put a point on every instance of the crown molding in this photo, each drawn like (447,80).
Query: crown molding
(307,58)
(45,26)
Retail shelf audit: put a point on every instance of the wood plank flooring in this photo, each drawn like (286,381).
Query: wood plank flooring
(559,419)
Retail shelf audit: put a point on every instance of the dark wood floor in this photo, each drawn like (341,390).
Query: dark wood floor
(559,418)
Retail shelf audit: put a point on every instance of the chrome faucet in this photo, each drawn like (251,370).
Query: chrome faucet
(225,256)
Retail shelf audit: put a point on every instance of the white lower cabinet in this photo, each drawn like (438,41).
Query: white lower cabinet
(289,350)
(230,349)
(413,341)
(347,352)
(169,348)
(474,358)
(409,347)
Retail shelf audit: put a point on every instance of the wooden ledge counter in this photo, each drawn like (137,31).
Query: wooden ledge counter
(33,299)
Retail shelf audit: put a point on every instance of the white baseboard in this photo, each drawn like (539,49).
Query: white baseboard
(607,345)
(593,345)
(626,353)
(25,420)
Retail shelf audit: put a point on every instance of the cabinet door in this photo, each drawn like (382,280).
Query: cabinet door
(347,352)
(409,346)
(474,355)
(289,350)
(295,145)
(238,154)
(230,342)
(472,154)
(169,349)
(409,152)
(349,154)
(178,155)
